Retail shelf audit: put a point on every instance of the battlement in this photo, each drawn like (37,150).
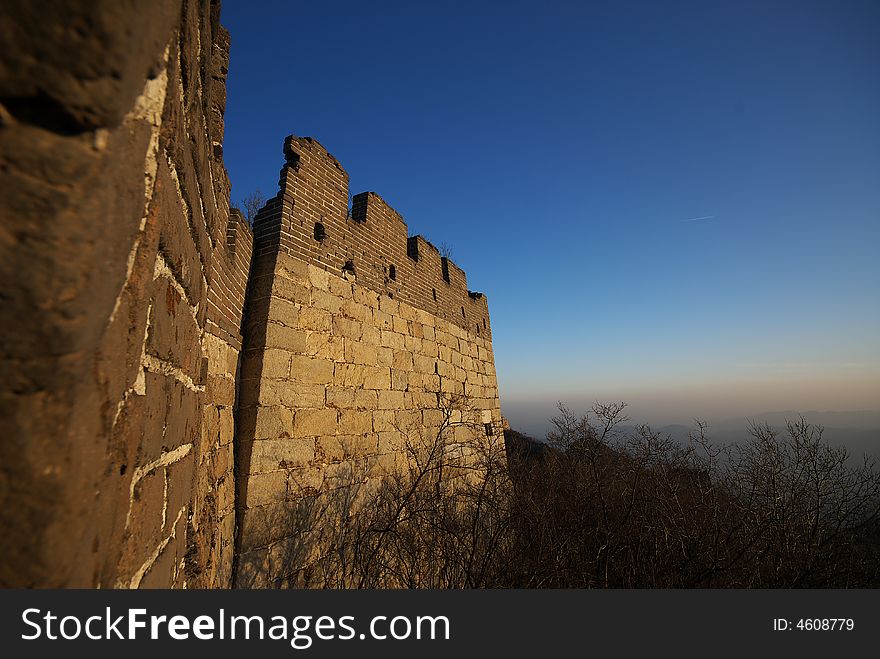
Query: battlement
(310,219)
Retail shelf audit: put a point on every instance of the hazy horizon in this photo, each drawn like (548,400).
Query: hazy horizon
(534,417)
(707,401)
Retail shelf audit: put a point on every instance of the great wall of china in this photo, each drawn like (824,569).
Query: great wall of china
(175,378)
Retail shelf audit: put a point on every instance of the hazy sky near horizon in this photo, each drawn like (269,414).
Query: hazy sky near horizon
(675,204)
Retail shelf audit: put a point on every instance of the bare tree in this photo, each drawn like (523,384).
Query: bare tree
(252,203)
(601,507)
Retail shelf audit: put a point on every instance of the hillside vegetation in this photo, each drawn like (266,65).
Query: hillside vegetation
(598,507)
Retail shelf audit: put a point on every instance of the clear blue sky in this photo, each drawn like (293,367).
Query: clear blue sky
(560,148)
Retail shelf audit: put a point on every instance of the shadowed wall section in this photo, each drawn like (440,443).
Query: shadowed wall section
(124,277)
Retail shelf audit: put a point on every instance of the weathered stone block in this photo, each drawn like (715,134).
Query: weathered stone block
(383,420)
(399,379)
(355,421)
(389,305)
(383,321)
(328,301)
(325,346)
(371,334)
(360,312)
(319,278)
(360,353)
(288,338)
(445,369)
(292,268)
(390,400)
(348,375)
(340,397)
(276,363)
(287,289)
(423,364)
(225,426)
(284,312)
(220,389)
(450,386)
(216,351)
(330,448)
(384,356)
(311,370)
(348,328)
(433,418)
(445,353)
(317,320)
(366,297)
(290,393)
(173,334)
(390,339)
(408,313)
(311,423)
(390,441)
(269,455)
(375,377)
(399,325)
(403,360)
(266,488)
(366,399)
(340,288)
(268,422)
(408,421)
(430,382)
(306,480)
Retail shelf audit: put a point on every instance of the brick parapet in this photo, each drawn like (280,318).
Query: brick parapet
(310,218)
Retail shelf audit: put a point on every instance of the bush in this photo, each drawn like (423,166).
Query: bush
(599,508)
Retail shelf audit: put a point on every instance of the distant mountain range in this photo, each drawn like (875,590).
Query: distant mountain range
(858,441)
(858,431)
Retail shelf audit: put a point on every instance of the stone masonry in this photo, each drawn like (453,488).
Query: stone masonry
(355,333)
(171,379)
(124,275)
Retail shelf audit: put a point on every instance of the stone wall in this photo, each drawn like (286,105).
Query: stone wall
(343,362)
(142,412)
(124,277)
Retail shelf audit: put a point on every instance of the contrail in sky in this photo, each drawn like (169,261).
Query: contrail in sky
(697,219)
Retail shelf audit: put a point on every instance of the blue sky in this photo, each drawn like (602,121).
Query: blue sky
(559,148)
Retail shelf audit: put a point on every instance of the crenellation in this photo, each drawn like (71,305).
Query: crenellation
(371,240)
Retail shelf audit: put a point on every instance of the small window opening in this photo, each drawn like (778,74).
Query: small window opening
(478,327)
(489,429)
(412,248)
(444,266)
(392,272)
(348,268)
(434,293)
(320,232)
(484,323)
(462,312)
